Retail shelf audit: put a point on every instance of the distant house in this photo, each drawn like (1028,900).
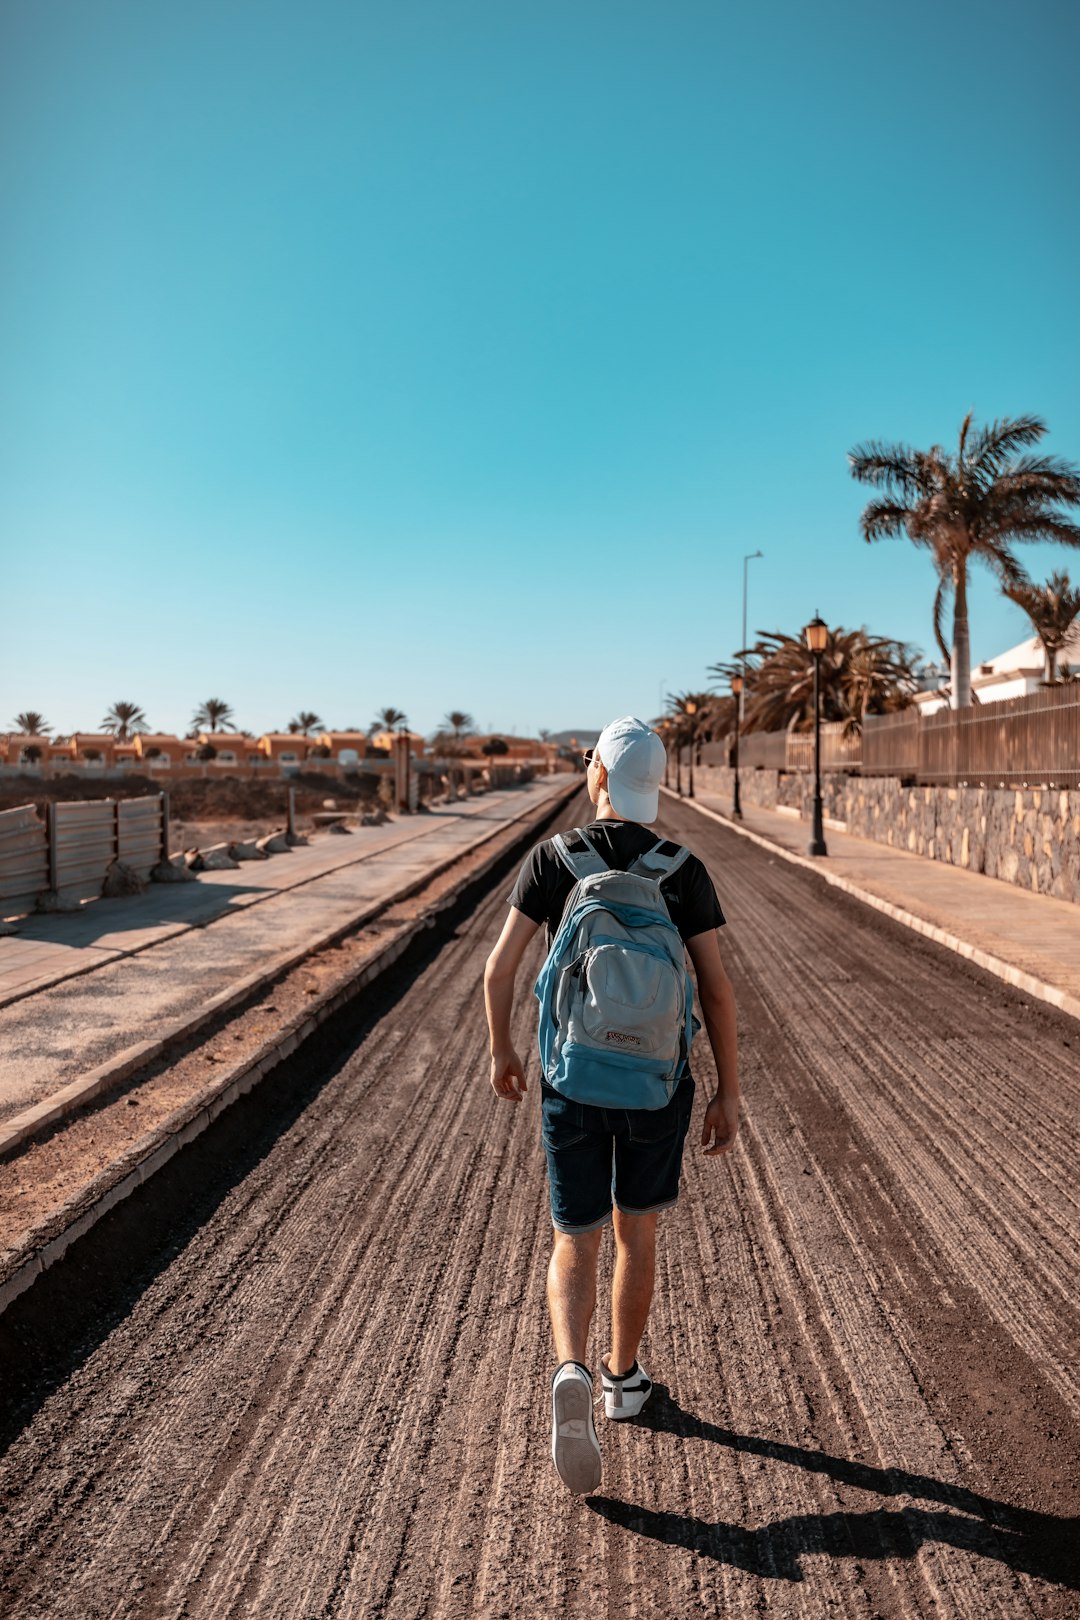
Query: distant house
(161,750)
(516,747)
(1011,674)
(388,741)
(27,748)
(346,748)
(95,750)
(231,748)
(286,749)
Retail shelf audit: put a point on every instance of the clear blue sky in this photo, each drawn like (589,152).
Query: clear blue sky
(452,356)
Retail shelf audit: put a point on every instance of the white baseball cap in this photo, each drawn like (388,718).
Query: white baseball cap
(633,756)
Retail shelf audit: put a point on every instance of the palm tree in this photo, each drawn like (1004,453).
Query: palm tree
(974,504)
(691,714)
(859,675)
(124,720)
(213,715)
(305,723)
(389,720)
(1052,609)
(31,724)
(460,724)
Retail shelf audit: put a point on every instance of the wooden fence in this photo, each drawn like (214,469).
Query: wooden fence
(1032,740)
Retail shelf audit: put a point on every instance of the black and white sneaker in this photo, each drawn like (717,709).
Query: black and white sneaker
(575,1450)
(624,1397)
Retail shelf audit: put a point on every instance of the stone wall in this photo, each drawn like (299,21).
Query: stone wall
(1026,836)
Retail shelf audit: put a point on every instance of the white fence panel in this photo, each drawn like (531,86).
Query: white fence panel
(24,860)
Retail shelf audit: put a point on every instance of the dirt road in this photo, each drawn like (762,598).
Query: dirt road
(324,1390)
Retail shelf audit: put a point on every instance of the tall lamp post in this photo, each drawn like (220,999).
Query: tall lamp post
(750,555)
(403,747)
(691,709)
(817,636)
(736,692)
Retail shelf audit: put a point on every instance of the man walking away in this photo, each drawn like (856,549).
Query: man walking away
(616,1089)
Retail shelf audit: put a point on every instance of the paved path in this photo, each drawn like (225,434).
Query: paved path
(93,983)
(1033,934)
(306,1374)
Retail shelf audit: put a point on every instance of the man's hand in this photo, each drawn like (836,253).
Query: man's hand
(508,1075)
(721,1125)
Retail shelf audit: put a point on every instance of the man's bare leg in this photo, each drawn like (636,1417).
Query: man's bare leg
(571,1290)
(631,1286)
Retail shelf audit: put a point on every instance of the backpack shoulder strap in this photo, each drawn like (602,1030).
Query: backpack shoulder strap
(581,863)
(660,861)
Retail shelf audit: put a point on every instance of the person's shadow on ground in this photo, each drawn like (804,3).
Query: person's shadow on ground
(1030,1543)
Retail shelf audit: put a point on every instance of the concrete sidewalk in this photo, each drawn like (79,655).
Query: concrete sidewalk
(85,988)
(1029,940)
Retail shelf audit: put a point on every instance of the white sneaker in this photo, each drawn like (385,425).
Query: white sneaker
(624,1397)
(575,1450)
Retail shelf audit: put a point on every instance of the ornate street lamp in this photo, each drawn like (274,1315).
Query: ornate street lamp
(736,692)
(691,710)
(403,750)
(817,636)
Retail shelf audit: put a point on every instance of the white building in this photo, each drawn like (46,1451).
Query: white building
(1015,673)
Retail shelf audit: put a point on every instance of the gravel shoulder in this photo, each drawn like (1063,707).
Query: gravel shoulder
(316,1386)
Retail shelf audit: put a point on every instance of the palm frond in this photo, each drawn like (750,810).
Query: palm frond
(884,520)
(887,465)
(1019,524)
(1045,478)
(996,442)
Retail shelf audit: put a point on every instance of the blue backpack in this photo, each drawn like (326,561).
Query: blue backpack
(616,1000)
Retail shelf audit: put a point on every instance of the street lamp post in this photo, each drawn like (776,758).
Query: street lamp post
(817,635)
(736,692)
(403,749)
(750,555)
(691,709)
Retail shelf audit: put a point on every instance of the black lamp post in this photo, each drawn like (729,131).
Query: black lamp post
(736,692)
(691,710)
(817,636)
(403,745)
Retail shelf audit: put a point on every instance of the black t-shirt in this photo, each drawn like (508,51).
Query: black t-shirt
(544,883)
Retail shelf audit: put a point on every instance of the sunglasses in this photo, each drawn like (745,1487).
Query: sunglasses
(587,755)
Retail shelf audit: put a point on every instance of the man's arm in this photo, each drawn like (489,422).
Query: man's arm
(507,1072)
(718,1009)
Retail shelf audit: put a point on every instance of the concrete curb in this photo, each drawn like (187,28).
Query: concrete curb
(20,1127)
(1006,971)
(146,1158)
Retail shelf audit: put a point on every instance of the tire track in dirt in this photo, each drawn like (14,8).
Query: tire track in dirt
(331,1399)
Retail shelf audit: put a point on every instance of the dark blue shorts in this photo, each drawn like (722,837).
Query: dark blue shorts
(597,1156)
